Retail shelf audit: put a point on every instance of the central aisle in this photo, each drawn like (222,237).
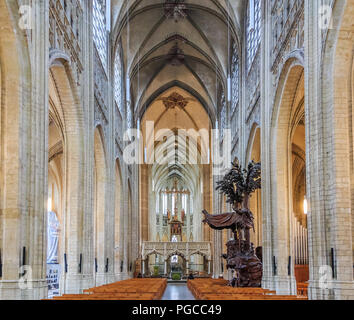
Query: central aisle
(177,291)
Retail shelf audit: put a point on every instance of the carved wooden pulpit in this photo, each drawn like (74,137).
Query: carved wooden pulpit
(238,185)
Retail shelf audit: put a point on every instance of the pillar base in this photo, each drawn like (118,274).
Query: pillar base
(87,281)
(35,290)
(285,285)
(121,276)
(334,290)
(100,279)
(268,283)
(72,284)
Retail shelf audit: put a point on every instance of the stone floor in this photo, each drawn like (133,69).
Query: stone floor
(177,291)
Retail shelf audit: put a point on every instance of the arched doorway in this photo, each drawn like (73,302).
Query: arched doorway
(66,142)
(55,221)
(299,199)
(129,259)
(176,266)
(155,266)
(100,180)
(118,225)
(288,107)
(65,173)
(198,265)
(254,154)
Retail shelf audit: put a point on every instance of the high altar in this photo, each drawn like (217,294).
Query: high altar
(176,225)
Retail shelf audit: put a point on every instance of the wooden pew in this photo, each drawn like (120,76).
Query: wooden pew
(217,289)
(132,289)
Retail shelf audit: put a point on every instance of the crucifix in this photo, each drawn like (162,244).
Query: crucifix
(176,224)
(175,190)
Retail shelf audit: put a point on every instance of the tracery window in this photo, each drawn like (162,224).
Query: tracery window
(222,114)
(173,201)
(253,34)
(129,116)
(118,81)
(184,202)
(100,36)
(164,204)
(157,205)
(235,80)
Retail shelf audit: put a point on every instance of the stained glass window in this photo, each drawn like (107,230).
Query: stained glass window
(235,80)
(100,36)
(129,116)
(222,114)
(184,202)
(253,30)
(164,204)
(157,205)
(118,81)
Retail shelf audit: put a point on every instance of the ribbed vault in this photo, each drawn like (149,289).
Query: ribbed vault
(192,50)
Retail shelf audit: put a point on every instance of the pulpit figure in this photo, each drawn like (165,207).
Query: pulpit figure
(53,238)
(238,185)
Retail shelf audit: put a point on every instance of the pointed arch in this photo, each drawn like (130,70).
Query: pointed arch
(100,186)
(253,153)
(118,221)
(291,86)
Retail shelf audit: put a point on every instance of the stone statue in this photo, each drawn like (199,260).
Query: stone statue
(53,238)
(238,185)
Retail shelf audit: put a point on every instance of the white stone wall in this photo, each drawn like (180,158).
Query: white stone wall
(300,46)
(293,39)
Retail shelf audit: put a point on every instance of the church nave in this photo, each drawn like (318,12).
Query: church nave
(181,147)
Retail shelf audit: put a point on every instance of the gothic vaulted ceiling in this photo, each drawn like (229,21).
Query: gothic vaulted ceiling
(166,43)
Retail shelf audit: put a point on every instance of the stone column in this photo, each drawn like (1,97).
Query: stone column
(217,253)
(144,202)
(25,158)
(217,238)
(23,214)
(86,36)
(126,230)
(38,221)
(266,103)
(314,179)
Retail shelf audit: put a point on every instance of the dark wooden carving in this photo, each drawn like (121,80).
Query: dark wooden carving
(238,185)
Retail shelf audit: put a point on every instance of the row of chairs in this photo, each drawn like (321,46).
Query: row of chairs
(132,289)
(217,289)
